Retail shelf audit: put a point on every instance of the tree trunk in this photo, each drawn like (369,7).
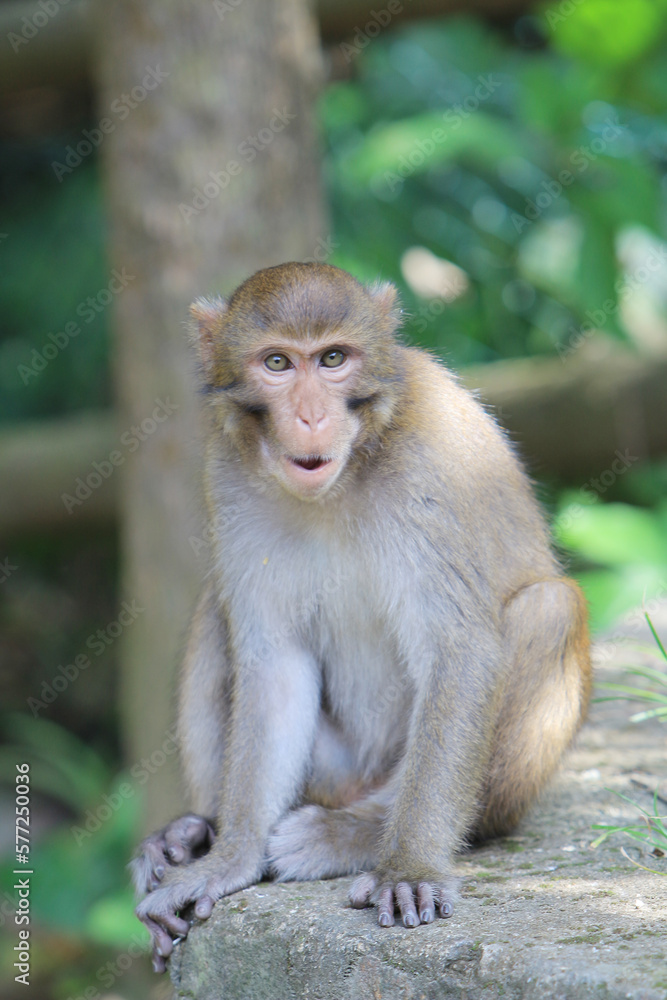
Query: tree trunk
(212,171)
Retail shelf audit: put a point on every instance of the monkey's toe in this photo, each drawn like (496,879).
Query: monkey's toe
(416,902)
(361,890)
(188,838)
(426,903)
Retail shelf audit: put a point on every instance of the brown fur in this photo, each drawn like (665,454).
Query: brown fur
(387,661)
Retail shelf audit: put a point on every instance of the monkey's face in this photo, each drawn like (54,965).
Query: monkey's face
(308,429)
(301,366)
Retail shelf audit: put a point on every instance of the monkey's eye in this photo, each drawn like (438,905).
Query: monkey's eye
(277,362)
(332,359)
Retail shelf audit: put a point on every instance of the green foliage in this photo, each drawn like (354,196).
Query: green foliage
(652,832)
(61,765)
(655,693)
(621,553)
(521,166)
(52,260)
(83,885)
(606,32)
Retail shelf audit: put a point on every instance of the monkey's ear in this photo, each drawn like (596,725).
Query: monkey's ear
(207,316)
(385,299)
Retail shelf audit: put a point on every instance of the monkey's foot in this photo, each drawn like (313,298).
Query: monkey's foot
(313,842)
(178,843)
(202,883)
(416,901)
(297,847)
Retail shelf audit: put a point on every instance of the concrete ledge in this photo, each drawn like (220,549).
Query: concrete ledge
(541,915)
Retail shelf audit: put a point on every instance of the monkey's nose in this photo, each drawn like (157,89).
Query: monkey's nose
(312,421)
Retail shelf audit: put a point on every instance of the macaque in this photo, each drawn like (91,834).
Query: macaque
(386,663)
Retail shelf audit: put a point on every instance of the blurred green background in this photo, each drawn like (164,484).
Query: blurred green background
(519,261)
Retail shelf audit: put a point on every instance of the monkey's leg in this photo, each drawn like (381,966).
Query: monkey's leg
(204,705)
(545,701)
(314,842)
(273,720)
(203,717)
(441,775)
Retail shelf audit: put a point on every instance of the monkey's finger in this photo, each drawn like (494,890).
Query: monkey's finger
(158,962)
(361,890)
(165,927)
(204,907)
(148,867)
(182,836)
(385,906)
(425,903)
(177,926)
(162,943)
(406,904)
(161,918)
(154,854)
(177,853)
(185,836)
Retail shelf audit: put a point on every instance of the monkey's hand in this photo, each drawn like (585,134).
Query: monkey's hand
(178,843)
(202,883)
(415,900)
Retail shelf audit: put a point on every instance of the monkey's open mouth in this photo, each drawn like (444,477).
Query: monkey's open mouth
(310,463)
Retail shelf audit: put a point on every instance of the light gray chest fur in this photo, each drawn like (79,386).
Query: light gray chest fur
(341,598)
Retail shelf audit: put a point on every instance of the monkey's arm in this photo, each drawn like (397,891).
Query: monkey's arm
(440,781)
(273,714)
(203,720)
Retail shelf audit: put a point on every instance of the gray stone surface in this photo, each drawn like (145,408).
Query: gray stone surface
(542,915)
